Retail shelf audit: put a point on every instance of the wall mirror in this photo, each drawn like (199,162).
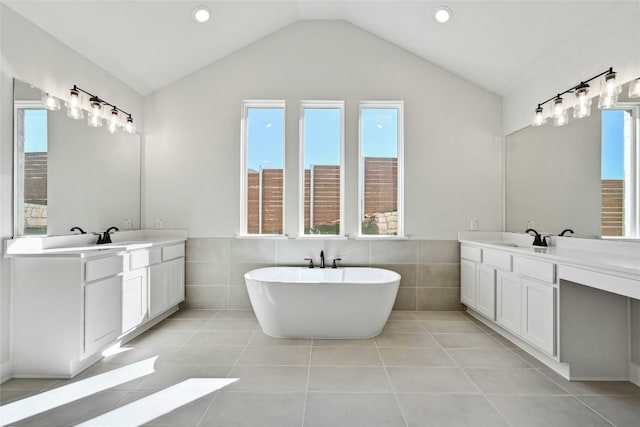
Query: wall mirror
(68,174)
(581,176)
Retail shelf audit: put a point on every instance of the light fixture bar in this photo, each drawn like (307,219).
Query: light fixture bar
(96,122)
(76,88)
(581,84)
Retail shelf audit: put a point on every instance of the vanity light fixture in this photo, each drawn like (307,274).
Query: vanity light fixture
(50,102)
(201,14)
(582,108)
(75,111)
(634,88)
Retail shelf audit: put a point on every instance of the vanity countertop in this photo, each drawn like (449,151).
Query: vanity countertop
(611,257)
(84,246)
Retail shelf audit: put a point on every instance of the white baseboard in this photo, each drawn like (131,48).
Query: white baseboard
(6,369)
(634,373)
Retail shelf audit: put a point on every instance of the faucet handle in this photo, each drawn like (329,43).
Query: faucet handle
(310,262)
(335,264)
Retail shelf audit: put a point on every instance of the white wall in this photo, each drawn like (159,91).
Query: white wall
(33,56)
(615,43)
(452,131)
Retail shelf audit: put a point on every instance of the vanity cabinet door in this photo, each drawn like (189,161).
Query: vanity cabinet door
(134,299)
(175,277)
(509,301)
(538,314)
(102,313)
(158,289)
(486,291)
(468,283)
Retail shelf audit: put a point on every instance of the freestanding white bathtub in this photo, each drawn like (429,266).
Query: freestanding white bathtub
(300,302)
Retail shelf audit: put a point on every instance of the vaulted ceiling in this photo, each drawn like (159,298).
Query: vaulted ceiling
(496,44)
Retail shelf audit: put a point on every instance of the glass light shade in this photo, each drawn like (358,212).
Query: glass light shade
(50,102)
(130,127)
(95,114)
(558,109)
(634,88)
(538,117)
(75,113)
(561,120)
(607,101)
(583,103)
(113,121)
(610,86)
(75,101)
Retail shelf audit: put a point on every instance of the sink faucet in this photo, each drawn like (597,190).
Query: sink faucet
(106,236)
(566,230)
(321,259)
(78,229)
(538,240)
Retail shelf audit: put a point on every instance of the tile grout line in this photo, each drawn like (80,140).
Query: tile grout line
(393,389)
(455,362)
(306,388)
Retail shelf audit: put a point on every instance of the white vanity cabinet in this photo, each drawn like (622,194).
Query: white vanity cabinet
(468,283)
(539,314)
(69,306)
(509,301)
(486,291)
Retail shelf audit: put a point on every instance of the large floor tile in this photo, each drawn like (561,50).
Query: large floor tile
(615,388)
(260,338)
(415,356)
(550,411)
(224,338)
(28,384)
(352,410)
(189,313)
(206,355)
(465,340)
(134,353)
(512,381)
(349,379)
(487,358)
(78,410)
(269,378)
(345,356)
(180,324)
(451,326)
(188,415)
(223,324)
(236,314)
(275,355)
(367,342)
(247,409)
(449,410)
(170,374)
(401,315)
(623,411)
(403,326)
(162,337)
(440,315)
(406,340)
(430,380)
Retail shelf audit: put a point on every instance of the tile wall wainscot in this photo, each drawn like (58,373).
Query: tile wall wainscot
(215,267)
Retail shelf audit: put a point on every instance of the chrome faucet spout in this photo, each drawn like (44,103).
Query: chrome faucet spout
(321,259)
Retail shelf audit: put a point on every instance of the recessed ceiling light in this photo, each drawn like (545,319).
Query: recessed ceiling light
(443,14)
(201,14)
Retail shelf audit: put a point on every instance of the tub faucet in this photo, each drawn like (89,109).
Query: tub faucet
(321,259)
(566,230)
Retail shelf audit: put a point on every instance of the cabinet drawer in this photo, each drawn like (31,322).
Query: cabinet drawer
(497,259)
(104,267)
(145,257)
(172,252)
(541,270)
(471,253)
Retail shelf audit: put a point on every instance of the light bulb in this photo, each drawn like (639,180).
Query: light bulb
(610,86)
(583,102)
(130,127)
(561,120)
(95,115)
(558,107)
(538,118)
(607,101)
(50,102)
(634,88)
(201,14)
(443,14)
(74,98)
(113,120)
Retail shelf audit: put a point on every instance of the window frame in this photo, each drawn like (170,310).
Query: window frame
(632,178)
(244,150)
(399,106)
(320,104)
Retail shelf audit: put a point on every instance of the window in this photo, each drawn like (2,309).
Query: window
(322,171)
(31,163)
(619,171)
(262,179)
(381,168)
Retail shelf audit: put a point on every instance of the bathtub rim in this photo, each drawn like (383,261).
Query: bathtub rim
(397,277)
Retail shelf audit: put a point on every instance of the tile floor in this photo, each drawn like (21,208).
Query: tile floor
(425,369)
